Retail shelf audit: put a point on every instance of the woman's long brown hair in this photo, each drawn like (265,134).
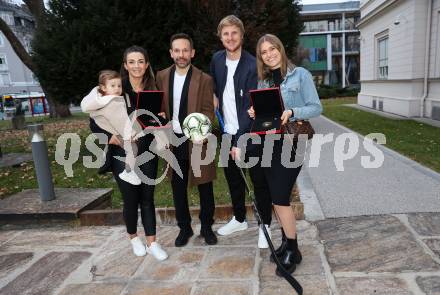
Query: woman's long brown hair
(263,70)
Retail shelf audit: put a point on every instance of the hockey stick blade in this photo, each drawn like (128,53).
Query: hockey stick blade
(286,275)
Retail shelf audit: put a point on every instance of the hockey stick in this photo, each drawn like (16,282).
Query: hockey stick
(287,276)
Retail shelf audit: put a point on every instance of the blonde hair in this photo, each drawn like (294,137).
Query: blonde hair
(106,75)
(230,20)
(263,70)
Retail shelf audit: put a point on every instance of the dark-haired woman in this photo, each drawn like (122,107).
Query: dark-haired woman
(137,75)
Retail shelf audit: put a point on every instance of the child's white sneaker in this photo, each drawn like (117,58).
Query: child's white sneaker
(138,247)
(156,251)
(130,177)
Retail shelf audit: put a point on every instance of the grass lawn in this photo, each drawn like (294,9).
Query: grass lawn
(15,179)
(418,141)
(6,124)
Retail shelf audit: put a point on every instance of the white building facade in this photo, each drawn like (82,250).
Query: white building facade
(400,57)
(15,77)
(329,44)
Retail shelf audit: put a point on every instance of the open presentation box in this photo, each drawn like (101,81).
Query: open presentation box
(268,106)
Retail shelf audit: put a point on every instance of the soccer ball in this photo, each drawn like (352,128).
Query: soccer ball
(196,127)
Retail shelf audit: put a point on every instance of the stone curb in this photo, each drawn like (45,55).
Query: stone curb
(166,215)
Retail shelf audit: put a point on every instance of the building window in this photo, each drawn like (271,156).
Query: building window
(7,17)
(382,49)
(334,25)
(17,21)
(350,22)
(352,43)
(316,26)
(336,43)
(3,63)
(5,79)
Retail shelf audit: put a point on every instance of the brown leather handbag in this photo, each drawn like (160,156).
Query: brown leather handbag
(298,127)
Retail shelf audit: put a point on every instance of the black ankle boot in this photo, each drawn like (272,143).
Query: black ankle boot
(291,257)
(281,249)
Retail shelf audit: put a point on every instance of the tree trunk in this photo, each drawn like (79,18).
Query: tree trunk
(62,110)
(50,101)
(36,7)
(49,97)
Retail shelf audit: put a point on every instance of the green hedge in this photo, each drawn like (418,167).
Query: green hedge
(327,91)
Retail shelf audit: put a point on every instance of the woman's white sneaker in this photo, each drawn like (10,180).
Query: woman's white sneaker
(262,242)
(232,227)
(156,251)
(138,247)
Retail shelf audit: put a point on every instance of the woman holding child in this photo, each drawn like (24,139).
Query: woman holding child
(136,75)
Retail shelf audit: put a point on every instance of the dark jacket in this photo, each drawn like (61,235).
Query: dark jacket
(245,79)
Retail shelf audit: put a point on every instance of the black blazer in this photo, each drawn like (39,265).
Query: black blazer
(245,79)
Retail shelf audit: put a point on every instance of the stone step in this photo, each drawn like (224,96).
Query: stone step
(166,215)
(26,206)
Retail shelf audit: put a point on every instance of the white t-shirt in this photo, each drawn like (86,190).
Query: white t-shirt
(229,105)
(179,80)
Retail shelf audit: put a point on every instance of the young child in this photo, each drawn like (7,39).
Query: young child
(107,107)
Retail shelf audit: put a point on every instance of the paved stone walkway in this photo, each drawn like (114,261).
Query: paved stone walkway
(386,254)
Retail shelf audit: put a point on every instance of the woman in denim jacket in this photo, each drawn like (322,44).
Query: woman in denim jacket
(301,102)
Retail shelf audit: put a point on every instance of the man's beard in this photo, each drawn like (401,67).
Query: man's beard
(236,48)
(183,65)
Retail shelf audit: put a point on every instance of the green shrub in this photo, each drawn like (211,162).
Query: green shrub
(330,91)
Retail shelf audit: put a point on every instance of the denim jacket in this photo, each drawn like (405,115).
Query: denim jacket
(299,94)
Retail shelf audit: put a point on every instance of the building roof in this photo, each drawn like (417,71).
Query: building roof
(330,8)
